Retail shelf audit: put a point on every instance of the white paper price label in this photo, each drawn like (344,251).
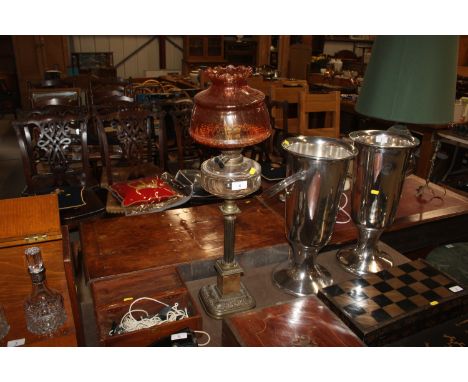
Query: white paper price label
(19,342)
(456,288)
(241,185)
(178,336)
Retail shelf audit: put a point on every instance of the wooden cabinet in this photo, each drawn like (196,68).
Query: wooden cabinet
(241,52)
(8,83)
(36,54)
(463,57)
(202,50)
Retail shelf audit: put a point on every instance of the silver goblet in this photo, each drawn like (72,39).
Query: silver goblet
(311,207)
(379,172)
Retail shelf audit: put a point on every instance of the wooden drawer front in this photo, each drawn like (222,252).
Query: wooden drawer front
(138,284)
(145,337)
(112,298)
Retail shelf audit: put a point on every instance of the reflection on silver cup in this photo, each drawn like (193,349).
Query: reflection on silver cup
(379,173)
(311,207)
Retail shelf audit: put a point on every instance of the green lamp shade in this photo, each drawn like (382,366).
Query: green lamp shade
(411,79)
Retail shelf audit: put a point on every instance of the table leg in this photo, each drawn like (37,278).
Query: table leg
(425,154)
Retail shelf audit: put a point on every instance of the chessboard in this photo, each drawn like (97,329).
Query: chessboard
(394,303)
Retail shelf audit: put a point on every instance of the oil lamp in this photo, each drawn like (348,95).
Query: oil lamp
(229,116)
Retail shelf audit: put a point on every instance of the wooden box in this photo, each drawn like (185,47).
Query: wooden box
(112,299)
(29,220)
(26,222)
(300,322)
(389,305)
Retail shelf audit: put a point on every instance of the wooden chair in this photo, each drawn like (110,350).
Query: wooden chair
(136,90)
(328,103)
(127,139)
(290,94)
(102,90)
(188,151)
(51,111)
(128,149)
(55,96)
(257,82)
(49,84)
(262,152)
(107,95)
(55,158)
(155,94)
(280,131)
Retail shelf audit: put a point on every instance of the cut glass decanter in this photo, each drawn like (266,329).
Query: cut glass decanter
(44,308)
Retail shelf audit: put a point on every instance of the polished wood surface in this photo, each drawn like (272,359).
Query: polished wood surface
(258,267)
(411,212)
(301,322)
(119,252)
(127,244)
(21,224)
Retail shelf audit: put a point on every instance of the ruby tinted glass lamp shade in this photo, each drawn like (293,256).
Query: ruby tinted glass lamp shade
(230,114)
(411,79)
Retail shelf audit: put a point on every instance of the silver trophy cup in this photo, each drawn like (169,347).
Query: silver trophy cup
(319,167)
(379,172)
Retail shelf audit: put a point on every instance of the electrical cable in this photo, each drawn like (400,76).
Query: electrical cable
(342,209)
(129,323)
(203,332)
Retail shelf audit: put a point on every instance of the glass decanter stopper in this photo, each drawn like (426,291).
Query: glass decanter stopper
(44,308)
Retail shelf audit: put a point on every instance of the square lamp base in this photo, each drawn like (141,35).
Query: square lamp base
(217,305)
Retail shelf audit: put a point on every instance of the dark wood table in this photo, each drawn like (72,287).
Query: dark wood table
(419,224)
(280,319)
(132,243)
(185,242)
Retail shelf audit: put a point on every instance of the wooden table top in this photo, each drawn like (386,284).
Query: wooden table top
(411,210)
(131,243)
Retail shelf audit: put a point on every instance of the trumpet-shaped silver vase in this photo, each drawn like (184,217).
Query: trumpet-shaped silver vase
(311,207)
(379,172)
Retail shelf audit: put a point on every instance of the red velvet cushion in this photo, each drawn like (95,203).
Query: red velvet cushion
(151,189)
